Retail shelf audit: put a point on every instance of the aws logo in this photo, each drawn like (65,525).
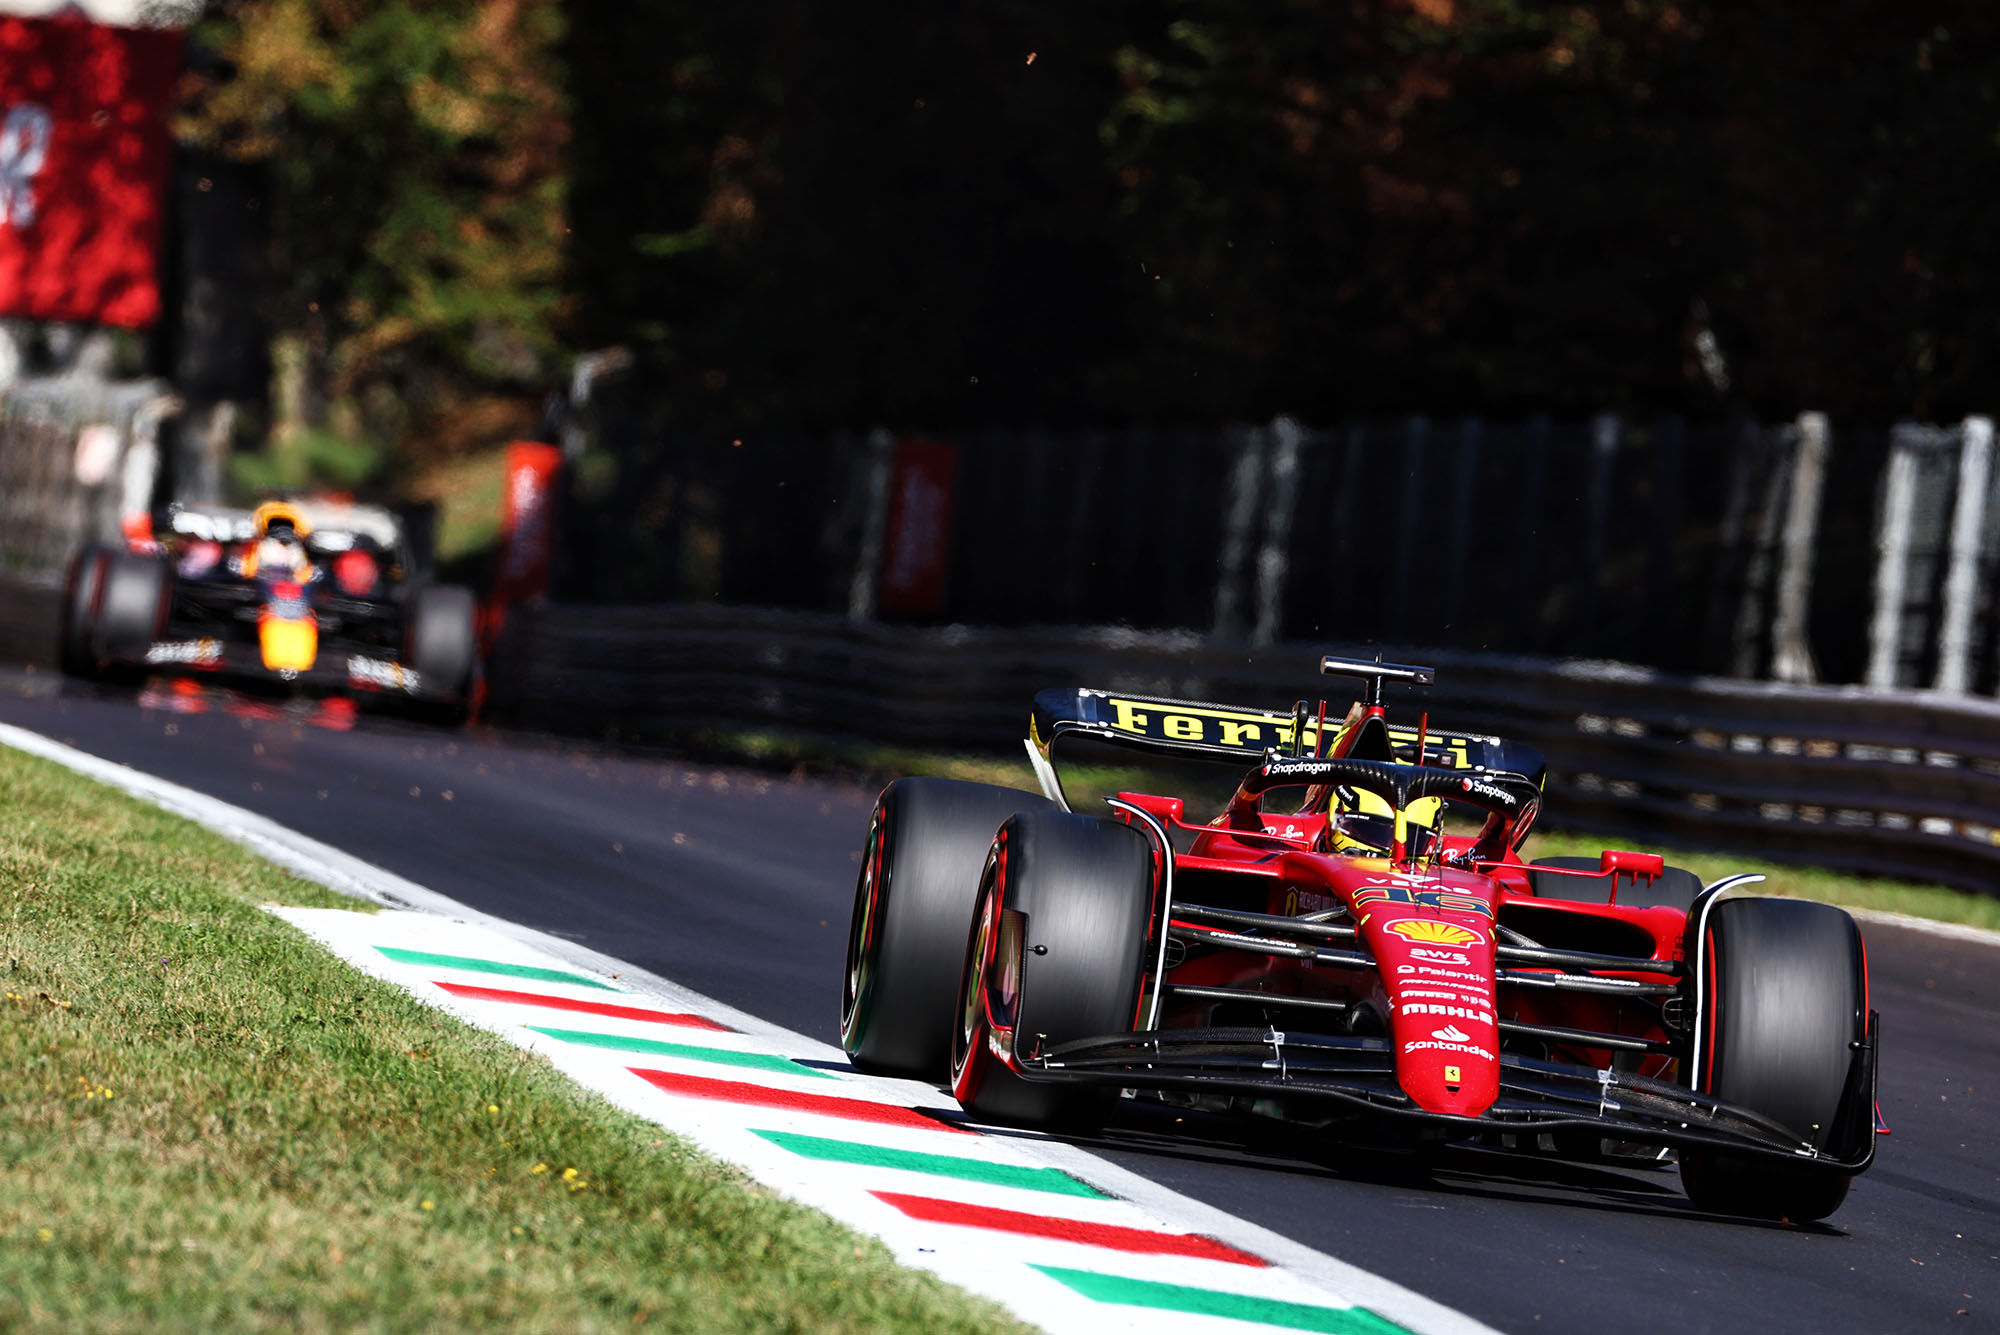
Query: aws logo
(1435,933)
(1430,899)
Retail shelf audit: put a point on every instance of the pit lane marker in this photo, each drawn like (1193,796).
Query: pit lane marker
(1184,1266)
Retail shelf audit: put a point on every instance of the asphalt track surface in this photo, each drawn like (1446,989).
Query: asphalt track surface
(738,883)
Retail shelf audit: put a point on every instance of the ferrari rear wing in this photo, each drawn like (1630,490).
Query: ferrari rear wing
(1228,732)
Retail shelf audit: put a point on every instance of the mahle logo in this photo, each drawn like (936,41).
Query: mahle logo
(1434,933)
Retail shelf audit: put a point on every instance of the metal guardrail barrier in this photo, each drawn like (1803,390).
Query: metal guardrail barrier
(1896,783)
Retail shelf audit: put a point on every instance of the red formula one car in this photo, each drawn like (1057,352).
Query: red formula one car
(1353,943)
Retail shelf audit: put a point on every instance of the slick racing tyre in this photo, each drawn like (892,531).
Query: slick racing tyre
(1781,1032)
(912,904)
(76,651)
(135,595)
(441,642)
(1676,888)
(1056,954)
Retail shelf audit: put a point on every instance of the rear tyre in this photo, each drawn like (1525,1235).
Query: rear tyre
(1056,954)
(1782,1032)
(1675,889)
(76,653)
(441,642)
(912,904)
(132,604)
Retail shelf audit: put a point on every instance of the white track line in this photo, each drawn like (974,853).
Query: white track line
(1980,936)
(1340,1282)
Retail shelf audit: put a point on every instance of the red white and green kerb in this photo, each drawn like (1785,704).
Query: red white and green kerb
(1057,1235)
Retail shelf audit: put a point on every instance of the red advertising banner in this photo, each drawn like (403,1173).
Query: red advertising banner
(527,525)
(916,548)
(83,168)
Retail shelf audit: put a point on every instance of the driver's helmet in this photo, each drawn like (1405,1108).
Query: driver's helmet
(280,546)
(1359,823)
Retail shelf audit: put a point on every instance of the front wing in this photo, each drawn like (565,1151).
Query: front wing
(340,666)
(1357,1075)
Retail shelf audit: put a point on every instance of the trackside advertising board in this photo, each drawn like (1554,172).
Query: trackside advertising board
(83,168)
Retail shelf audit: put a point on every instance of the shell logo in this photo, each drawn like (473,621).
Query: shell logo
(1428,933)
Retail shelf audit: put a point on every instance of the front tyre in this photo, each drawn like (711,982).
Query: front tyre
(1056,954)
(133,601)
(441,642)
(76,651)
(912,902)
(1782,1033)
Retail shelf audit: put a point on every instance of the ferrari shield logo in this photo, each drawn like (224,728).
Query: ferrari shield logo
(1451,1075)
(1434,933)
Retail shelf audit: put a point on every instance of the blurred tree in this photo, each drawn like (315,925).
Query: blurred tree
(414,163)
(1388,207)
(1187,211)
(1196,210)
(820,215)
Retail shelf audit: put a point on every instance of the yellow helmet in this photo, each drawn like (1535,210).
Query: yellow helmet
(274,512)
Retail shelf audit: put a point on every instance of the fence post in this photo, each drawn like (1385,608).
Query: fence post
(1245,483)
(1470,431)
(13,335)
(1528,574)
(1791,655)
(1961,584)
(1892,564)
(1658,628)
(1274,558)
(880,455)
(1409,516)
(1605,432)
(1347,498)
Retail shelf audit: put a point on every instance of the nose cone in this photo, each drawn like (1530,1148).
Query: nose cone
(1437,968)
(288,645)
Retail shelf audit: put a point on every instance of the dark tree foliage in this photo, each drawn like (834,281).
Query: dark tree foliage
(413,159)
(808,216)
(1198,210)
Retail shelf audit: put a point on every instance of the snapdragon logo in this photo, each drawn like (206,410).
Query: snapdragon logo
(24,151)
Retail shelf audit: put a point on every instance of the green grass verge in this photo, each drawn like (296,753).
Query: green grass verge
(875,762)
(209,1123)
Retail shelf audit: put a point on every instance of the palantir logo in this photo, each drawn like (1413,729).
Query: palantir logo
(24,151)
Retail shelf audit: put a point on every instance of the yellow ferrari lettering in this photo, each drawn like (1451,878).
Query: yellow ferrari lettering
(1129,717)
(1244,729)
(1235,734)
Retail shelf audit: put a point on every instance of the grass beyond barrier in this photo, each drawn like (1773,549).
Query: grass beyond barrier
(209,1123)
(1881,894)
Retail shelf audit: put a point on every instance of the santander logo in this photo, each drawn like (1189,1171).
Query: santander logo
(1451,1034)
